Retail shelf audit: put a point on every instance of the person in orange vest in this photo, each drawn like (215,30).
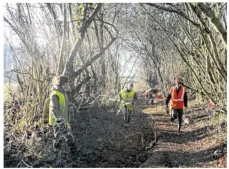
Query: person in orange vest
(178,97)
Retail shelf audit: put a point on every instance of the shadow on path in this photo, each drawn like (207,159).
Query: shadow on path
(184,137)
(180,159)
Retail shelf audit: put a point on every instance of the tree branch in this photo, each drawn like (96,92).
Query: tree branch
(88,63)
(69,65)
(215,21)
(174,11)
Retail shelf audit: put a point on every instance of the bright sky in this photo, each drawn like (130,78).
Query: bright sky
(128,61)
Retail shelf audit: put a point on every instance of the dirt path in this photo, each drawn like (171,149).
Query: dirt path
(102,140)
(193,147)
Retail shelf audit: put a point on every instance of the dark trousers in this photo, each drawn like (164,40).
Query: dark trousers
(126,116)
(177,113)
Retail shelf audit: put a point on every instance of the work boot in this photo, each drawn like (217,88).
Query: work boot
(178,129)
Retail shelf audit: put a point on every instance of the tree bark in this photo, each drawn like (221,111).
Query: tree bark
(68,70)
(215,21)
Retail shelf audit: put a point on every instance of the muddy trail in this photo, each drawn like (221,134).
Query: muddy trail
(103,140)
(100,137)
(151,140)
(193,147)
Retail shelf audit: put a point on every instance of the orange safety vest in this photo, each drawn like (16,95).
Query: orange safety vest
(177,100)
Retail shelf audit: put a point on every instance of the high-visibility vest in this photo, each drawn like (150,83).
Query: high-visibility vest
(177,100)
(127,96)
(63,107)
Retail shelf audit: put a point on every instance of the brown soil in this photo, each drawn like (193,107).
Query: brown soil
(102,140)
(193,147)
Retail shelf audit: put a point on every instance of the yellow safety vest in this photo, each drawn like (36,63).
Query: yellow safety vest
(127,96)
(63,107)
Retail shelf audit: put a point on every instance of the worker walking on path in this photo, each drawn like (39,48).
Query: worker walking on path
(178,97)
(128,95)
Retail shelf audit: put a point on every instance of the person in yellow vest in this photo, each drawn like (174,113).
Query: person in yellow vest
(58,108)
(128,95)
(178,97)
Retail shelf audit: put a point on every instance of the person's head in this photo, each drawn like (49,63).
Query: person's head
(178,82)
(60,81)
(130,86)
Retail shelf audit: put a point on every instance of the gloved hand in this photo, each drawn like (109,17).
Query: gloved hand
(69,125)
(166,107)
(185,109)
